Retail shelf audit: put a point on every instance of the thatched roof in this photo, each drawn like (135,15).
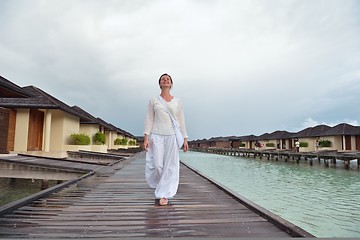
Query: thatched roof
(37,98)
(87,117)
(279,134)
(13,96)
(243,138)
(342,129)
(219,139)
(316,131)
(263,136)
(10,90)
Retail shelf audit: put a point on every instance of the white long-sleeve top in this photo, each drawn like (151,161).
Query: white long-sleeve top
(158,120)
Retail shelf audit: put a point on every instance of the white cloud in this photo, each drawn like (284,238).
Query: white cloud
(309,122)
(241,67)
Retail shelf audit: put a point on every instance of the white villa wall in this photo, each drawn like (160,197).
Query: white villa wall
(353,143)
(89,129)
(108,136)
(62,126)
(274,142)
(21,130)
(336,143)
(115,136)
(309,147)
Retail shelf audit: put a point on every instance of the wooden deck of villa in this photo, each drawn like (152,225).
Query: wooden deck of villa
(115,202)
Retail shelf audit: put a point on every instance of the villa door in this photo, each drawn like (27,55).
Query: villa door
(347,142)
(11,133)
(357,142)
(35,135)
(4,128)
(290,144)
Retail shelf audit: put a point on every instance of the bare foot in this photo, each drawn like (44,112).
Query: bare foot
(163,201)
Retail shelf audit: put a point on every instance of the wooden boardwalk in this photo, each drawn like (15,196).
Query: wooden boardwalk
(115,202)
(327,156)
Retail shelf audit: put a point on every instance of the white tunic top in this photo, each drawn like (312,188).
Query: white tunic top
(158,120)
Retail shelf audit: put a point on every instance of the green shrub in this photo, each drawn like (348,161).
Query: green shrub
(121,141)
(325,143)
(270,144)
(99,138)
(242,145)
(79,139)
(117,141)
(124,141)
(304,144)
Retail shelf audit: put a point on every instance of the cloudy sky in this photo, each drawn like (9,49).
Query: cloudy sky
(240,66)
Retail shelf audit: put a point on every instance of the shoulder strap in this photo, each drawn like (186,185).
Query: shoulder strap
(166,108)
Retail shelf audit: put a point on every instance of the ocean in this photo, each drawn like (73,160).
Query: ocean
(322,200)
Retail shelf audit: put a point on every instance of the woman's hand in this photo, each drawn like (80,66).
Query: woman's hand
(186,145)
(146,142)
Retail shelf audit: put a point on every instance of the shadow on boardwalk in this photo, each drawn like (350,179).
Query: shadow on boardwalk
(116,202)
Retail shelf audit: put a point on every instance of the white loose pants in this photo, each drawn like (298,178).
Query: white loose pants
(162,165)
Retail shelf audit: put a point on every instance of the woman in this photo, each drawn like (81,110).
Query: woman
(162,151)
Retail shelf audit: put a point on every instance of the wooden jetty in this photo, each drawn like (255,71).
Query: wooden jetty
(327,156)
(115,202)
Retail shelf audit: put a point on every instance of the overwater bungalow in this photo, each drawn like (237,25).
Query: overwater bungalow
(199,143)
(214,142)
(309,137)
(120,134)
(262,142)
(90,126)
(33,120)
(97,124)
(247,141)
(342,137)
(277,140)
(219,142)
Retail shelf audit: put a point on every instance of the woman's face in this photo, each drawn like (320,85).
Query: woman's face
(165,81)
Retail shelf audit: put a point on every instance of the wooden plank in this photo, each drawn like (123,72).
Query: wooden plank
(119,203)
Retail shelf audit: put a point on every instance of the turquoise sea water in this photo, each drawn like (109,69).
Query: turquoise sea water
(17,188)
(323,201)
